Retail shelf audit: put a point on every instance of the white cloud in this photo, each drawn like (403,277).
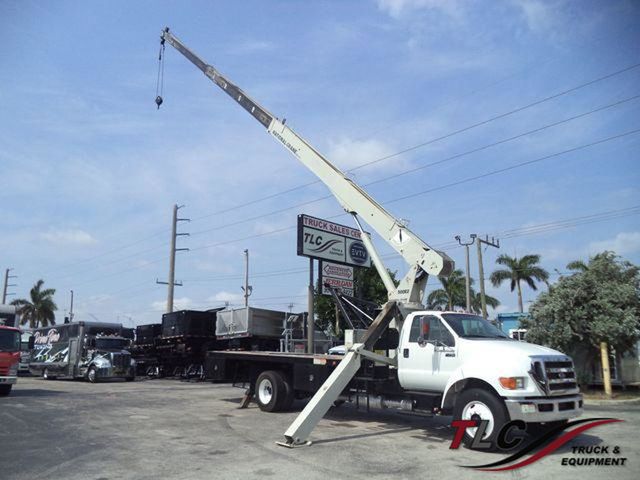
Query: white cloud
(348,153)
(69,236)
(397,8)
(252,46)
(178,304)
(225,297)
(623,243)
(536,14)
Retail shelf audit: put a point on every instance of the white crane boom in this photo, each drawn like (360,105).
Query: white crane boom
(422,259)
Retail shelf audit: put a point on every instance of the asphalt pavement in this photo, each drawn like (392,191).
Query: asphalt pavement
(156,429)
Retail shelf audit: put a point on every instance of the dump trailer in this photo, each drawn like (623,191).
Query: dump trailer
(185,337)
(461,360)
(93,351)
(144,347)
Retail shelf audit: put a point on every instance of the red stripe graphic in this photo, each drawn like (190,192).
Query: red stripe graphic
(557,443)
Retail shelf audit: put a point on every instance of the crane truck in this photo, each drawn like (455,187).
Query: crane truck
(436,362)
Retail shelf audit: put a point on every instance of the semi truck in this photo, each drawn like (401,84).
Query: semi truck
(93,351)
(445,362)
(9,358)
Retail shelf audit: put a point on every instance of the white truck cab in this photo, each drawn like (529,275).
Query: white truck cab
(452,353)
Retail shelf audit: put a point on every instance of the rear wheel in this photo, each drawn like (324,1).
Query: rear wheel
(5,390)
(479,404)
(271,391)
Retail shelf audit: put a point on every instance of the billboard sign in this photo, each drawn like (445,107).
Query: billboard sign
(330,241)
(338,276)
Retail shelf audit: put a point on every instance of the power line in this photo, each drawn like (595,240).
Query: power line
(421,167)
(442,187)
(437,139)
(375,161)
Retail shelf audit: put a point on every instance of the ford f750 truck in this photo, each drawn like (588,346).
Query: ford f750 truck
(443,361)
(447,363)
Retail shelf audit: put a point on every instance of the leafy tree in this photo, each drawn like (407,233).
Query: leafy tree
(525,269)
(39,311)
(599,304)
(368,286)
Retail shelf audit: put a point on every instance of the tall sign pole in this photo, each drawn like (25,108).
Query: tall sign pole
(310,323)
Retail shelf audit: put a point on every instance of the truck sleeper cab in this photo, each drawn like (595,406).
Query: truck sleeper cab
(88,350)
(448,363)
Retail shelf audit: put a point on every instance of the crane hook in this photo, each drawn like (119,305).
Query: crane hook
(158,101)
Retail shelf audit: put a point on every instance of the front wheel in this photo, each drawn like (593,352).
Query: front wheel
(47,375)
(92,375)
(479,404)
(5,390)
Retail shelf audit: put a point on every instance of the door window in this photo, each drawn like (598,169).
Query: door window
(430,328)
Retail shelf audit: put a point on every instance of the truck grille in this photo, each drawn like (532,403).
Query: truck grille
(556,375)
(4,371)
(121,361)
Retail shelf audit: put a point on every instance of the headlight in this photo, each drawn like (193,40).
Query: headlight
(13,370)
(512,383)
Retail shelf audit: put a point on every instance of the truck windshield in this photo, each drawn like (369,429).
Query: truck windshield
(111,343)
(472,326)
(9,341)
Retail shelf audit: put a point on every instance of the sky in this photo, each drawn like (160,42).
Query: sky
(516,119)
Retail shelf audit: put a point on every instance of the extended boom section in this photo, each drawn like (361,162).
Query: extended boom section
(422,259)
(404,298)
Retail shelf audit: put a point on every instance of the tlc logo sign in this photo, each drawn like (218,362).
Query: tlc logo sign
(515,430)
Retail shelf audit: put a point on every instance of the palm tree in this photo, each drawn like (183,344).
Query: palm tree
(39,312)
(525,269)
(476,302)
(577,266)
(452,294)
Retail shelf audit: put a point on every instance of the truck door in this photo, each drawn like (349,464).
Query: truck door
(427,355)
(73,356)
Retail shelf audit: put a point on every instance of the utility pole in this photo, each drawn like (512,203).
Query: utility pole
(71,308)
(7,276)
(468,277)
(492,243)
(247,289)
(171,282)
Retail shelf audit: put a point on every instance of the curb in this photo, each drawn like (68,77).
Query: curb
(604,402)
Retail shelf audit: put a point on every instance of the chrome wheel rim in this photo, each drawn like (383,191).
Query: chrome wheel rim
(92,375)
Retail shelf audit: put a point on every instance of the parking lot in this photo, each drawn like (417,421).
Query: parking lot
(171,429)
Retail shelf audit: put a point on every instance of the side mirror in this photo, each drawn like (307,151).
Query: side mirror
(32,342)
(421,341)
